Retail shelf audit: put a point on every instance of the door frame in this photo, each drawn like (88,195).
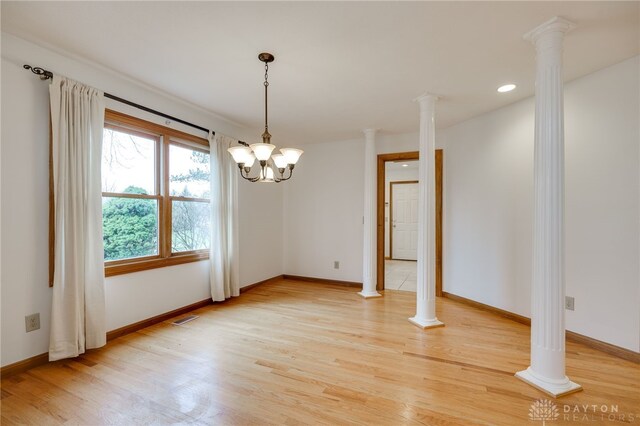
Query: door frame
(398,182)
(411,155)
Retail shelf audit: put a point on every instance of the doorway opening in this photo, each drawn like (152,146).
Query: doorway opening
(397,193)
(401,225)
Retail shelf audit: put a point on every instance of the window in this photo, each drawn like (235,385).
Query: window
(189,190)
(155,195)
(130,194)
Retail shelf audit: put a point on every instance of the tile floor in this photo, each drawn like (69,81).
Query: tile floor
(400,275)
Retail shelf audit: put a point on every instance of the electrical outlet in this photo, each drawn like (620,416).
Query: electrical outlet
(336,264)
(32,322)
(569,303)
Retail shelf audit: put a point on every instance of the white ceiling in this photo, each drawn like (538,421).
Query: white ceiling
(340,66)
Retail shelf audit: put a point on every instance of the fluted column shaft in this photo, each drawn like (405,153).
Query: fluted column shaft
(369,255)
(547,328)
(547,370)
(426,273)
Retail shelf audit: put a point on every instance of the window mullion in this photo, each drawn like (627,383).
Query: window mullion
(166,199)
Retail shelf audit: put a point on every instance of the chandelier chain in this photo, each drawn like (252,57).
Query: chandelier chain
(266,106)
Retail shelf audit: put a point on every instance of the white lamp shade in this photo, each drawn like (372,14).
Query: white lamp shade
(279,161)
(291,154)
(250,160)
(268,178)
(262,151)
(240,154)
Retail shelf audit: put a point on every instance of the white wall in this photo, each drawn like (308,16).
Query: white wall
(324,207)
(261,216)
(24,210)
(488,205)
(391,175)
(406,142)
(323,212)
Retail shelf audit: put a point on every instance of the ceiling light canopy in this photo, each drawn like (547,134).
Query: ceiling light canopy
(506,88)
(245,155)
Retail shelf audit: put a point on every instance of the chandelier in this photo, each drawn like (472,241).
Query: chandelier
(246,155)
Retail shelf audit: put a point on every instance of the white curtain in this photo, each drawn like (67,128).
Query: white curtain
(78,305)
(224,256)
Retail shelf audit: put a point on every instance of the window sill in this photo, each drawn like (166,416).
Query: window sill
(126,267)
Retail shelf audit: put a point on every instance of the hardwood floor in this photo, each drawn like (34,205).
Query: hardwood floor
(299,353)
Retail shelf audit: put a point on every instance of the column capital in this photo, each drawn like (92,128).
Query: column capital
(369,132)
(425,98)
(553,25)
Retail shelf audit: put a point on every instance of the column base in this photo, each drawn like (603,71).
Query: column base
(369,294)
(424,324)
(555,389)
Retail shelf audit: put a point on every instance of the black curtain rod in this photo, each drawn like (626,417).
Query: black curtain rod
(46,75)
(153,111)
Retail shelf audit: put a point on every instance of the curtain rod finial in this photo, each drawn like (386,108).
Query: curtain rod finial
(44,74)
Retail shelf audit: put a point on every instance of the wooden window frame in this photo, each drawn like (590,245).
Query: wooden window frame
(164,137)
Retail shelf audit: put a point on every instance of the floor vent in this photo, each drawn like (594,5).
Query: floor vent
(184,320)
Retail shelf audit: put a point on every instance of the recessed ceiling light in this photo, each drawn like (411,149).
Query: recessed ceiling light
(506,88)
(405,165)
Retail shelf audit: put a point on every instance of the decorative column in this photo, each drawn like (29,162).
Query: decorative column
(426,285)
(369,255)
(547,370)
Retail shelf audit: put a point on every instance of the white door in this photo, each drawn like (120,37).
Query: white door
(404,240)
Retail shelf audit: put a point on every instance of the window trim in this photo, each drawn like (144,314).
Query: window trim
(166,136)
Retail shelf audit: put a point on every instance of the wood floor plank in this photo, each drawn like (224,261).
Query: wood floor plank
(292,353)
